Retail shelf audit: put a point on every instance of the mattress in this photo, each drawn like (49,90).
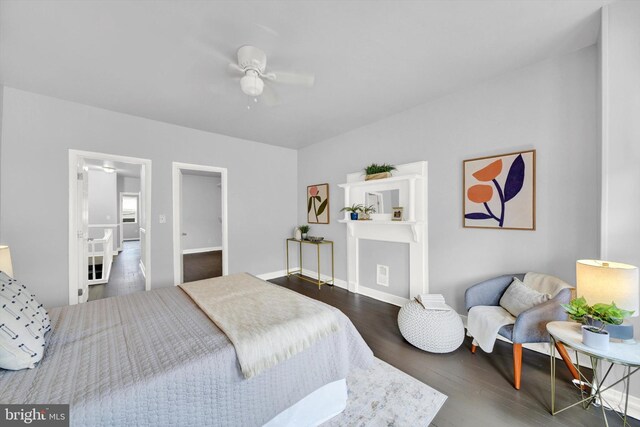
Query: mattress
(154,358)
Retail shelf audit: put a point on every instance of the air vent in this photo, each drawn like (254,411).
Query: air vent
(382,275)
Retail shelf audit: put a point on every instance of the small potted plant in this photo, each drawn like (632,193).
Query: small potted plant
(304,229)
(595,319)
(375,171)
(354,210)
(366,212)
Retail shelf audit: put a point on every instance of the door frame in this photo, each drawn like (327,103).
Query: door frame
(177,170)
(74,158)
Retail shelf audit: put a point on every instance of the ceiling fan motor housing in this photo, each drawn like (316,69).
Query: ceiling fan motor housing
(252,58)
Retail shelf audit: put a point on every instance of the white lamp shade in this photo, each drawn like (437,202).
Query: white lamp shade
(5,260)
(606,282)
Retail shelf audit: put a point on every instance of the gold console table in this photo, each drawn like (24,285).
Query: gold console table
(298,272)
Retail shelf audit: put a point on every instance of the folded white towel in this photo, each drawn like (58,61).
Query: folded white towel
(484,322)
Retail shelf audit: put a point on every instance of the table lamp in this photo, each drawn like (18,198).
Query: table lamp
(606,282)
(5,260)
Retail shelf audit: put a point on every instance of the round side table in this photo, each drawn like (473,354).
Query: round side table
(569,334)
(435,331)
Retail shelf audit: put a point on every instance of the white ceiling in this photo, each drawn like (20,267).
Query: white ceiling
(166,60)
(125,169)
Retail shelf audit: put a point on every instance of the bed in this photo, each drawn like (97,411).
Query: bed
(155,358)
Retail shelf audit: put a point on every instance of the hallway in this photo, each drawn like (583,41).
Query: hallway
(126,277)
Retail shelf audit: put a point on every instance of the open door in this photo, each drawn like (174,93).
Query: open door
(82,228)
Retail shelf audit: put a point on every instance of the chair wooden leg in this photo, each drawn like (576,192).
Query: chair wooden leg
(567,360)
(517,365)
(473,348)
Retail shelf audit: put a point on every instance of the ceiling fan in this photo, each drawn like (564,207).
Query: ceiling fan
(255,81)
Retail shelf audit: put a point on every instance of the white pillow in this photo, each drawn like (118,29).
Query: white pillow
(519,297)
(23,325)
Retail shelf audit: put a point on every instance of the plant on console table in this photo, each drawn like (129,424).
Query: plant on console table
(304,229)
(595,319)
(353,210)
(375,171)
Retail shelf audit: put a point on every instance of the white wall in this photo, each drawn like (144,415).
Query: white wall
(38,131)
(103,199)
(621,143)
(550,106)
(201,212)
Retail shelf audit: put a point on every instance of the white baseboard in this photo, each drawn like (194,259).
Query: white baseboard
(339,283)
(272,275)
(200,250)
(382,296)
(310,273)
(144,274)
(614,399)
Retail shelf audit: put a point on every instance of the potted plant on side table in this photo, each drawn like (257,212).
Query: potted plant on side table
(595,319)
(353,210)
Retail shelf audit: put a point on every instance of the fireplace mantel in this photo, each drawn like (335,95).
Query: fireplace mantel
(411,181)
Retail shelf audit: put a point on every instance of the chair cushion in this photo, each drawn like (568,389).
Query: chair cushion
(519,297)
(23,325)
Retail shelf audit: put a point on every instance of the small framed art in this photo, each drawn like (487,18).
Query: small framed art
(397,213)
(318,204)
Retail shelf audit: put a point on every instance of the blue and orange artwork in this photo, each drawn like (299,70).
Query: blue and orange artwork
(500,191)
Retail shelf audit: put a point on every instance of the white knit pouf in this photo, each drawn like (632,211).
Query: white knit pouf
(430,330)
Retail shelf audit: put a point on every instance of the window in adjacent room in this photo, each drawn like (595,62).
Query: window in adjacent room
(130,209)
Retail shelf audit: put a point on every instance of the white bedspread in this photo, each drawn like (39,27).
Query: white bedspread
(484,322)
(266,323)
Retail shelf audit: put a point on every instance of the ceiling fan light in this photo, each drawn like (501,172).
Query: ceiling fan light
(251,85)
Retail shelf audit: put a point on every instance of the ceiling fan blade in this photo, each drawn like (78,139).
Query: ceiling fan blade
(300,79)
(269,96)
(234,69)
(209,49)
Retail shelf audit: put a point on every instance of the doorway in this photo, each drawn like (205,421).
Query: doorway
(200,248)
(102,262)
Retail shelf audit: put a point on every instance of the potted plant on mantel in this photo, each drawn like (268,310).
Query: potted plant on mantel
(354,210)
(366,212)
(375,171)
(595,318)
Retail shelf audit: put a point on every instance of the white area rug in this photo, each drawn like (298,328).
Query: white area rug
(386,396)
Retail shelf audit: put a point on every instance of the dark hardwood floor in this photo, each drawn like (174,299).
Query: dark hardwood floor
(126,276)
(478,386)
(202,265)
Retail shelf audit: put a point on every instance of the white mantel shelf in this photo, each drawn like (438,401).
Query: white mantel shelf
(414,225)
(373,182)
(373,221)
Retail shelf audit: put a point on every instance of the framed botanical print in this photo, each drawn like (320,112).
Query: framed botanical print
(318,204)
(500,191)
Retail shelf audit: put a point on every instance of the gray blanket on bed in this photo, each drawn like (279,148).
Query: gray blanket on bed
(154,358)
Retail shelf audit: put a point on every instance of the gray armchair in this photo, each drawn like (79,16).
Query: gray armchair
(530,325)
